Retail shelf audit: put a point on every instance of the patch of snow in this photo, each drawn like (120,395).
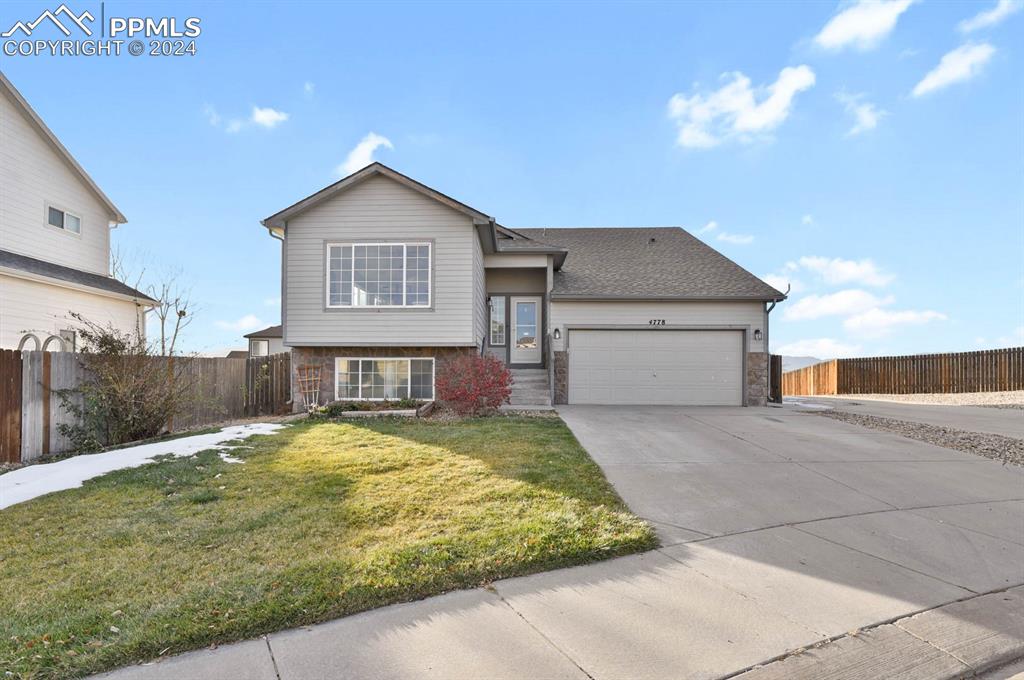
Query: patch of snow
(33,481)
(800,404)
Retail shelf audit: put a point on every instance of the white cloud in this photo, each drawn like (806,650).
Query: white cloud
(736,239)
(990,17)
(273,301)
(736,110)
(308,88)
(865,114)
(841,303)
(822,348)
(710,226)
(837,271)
(780,282)
(956,66)
(1014,339)
(234,125)
(268,117)
(212,117)
(249,322)
(807,220)
(862,25)
(362,155)
(878,322)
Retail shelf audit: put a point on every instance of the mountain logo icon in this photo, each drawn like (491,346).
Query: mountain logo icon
(54,17)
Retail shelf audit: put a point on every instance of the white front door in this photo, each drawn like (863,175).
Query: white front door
(526,330)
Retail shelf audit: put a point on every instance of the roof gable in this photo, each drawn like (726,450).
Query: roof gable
(376,169)
(12,94)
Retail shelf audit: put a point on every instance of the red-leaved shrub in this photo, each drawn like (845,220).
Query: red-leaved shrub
(472,384)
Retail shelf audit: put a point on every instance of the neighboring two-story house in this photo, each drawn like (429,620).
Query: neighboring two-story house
(266,341)
(54,239)
(384,280)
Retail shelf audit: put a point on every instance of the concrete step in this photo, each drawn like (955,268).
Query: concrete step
(529,382)
(516,400)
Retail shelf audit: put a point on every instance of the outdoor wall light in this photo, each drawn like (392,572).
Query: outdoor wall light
(557,335)
(757,335)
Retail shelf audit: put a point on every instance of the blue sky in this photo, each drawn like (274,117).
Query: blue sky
(870,154)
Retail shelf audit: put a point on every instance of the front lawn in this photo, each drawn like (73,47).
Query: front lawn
(321,520)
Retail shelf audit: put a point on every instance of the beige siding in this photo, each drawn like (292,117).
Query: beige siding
(480,309)
(43,309)
(381,209)
(32,175)
(517,280)
(634,313)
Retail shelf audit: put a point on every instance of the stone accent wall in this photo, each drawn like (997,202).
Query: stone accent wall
(561,372)
(325,356)
(757,379)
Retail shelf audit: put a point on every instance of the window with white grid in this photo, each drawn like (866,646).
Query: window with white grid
(378,275)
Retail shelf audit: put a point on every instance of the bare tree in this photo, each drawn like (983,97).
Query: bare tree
(174,309)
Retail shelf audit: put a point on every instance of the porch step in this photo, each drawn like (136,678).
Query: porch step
(530,387)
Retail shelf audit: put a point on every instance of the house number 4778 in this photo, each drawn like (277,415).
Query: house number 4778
(656,322)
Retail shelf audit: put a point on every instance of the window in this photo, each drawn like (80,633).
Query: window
(69,336)
(498,320)
(63,220)
(378,275)
(379,379)
(259,348)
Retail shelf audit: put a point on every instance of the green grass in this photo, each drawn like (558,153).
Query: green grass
(322,520)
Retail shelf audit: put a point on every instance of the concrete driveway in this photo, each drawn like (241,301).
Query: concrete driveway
(780,530)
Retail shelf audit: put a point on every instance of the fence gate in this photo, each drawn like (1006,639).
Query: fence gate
(775,378)
(10,406)
(268,385)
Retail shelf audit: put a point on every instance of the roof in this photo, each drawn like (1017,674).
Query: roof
(238,354)
(373,169)
(108,284)
(8,89)
(268,332)
(646,263)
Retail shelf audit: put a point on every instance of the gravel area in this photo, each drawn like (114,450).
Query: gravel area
(997,447)
(1013,399)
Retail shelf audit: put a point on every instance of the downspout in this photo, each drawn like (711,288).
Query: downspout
(767,326)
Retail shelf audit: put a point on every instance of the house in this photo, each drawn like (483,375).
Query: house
(55,227)
(266,341)
(384,280)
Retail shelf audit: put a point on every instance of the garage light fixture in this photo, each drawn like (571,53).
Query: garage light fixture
(557,335)
(757,335)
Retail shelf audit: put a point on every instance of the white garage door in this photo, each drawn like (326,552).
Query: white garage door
(685,368)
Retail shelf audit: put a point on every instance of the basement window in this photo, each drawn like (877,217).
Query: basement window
(379,379)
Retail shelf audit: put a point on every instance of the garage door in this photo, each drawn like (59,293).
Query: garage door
(685,368)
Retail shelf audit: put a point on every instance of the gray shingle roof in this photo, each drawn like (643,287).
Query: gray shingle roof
(665,262)
(268,332)
(56,271)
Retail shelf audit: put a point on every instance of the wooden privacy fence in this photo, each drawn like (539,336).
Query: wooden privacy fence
(268,385)
(994,370)
(32,410)
(775,378)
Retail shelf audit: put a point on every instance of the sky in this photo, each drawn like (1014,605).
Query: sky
(870,155)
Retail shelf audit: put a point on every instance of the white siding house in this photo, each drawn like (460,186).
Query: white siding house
(54,236)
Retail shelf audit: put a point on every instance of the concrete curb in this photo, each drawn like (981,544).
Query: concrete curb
(957,640)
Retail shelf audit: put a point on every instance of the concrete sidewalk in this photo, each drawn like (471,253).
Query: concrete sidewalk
(780,531)
(1004,421)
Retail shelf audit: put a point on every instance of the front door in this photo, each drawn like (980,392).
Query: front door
(526,330)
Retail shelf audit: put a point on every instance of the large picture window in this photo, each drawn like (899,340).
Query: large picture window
(378,275)
(379,379)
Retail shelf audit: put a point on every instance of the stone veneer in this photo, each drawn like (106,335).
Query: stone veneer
(561,360)
(325,356)
(757,378)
